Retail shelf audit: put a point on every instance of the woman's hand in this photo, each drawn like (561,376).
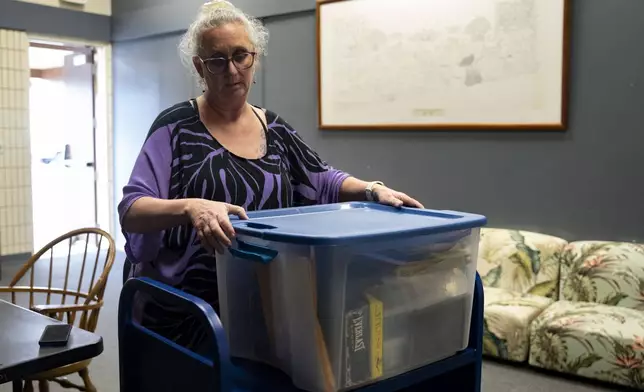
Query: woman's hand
(394,198)
(210,220)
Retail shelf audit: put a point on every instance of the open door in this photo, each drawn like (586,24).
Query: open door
(62,140)
(79,135)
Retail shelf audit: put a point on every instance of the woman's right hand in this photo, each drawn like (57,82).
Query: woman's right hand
(210,220)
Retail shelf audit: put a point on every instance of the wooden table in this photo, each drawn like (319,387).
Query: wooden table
(22,357)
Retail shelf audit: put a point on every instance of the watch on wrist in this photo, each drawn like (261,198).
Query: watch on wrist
(369,192)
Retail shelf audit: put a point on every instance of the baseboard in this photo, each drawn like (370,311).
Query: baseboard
(14,257)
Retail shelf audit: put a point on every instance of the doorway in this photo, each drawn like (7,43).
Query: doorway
(63,139)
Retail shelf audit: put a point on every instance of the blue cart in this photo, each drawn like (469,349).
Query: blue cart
(149,362)
(350,295)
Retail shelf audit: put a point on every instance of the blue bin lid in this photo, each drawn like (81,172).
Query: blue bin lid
(350,223)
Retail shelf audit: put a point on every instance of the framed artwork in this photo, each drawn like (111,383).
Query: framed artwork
(442,64)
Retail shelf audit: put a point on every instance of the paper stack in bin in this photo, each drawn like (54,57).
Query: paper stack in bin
(340,296)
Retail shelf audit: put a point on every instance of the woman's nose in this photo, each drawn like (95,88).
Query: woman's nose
(231,68)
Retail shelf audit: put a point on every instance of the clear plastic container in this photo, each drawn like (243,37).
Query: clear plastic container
(345,295)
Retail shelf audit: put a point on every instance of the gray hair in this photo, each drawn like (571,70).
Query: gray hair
(214,14)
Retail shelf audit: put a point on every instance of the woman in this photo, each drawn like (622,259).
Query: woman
(217,155)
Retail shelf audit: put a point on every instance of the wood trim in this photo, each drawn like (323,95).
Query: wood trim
(567,52)
(561,126)
(318,61)
(445,127)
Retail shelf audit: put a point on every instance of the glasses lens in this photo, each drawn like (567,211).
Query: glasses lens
(216,65)
(243,60)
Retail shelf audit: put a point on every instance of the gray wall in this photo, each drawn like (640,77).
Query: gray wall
(148,76)
(140,18)
(586,183)
(40,19)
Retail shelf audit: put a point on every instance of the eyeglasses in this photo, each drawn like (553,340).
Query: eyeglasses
(219,65)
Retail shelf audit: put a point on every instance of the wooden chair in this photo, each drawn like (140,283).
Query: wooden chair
(77,303)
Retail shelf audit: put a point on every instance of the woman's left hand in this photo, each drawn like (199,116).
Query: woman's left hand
(394,198)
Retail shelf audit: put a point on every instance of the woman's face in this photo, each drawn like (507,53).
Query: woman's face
(226,63)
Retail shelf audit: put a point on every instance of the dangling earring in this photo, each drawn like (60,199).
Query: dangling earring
(254,82)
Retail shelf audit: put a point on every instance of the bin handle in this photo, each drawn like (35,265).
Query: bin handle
(259,254)
(255,225)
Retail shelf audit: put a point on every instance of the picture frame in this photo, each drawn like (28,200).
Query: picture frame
(443,64)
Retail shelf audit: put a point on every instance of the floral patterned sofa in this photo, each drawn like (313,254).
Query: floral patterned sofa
(520,272)
(596,329)
(576,308)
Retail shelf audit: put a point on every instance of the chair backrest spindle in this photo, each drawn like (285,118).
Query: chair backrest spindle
(82,271)
(51,273)
(69,262)
(91,284)
(31,285)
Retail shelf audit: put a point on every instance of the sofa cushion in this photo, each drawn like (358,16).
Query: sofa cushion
(520,261)
(597,341)
(610,273)
(506,326)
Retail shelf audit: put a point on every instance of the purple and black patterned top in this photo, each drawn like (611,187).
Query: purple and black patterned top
(181,159)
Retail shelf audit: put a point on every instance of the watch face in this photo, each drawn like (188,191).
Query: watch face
(371,195)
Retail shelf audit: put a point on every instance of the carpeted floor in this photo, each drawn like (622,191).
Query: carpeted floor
(497,377)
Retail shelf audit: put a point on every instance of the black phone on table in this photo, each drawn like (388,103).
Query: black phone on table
(55,335)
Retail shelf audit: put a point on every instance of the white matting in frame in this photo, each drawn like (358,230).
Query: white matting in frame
(408,64)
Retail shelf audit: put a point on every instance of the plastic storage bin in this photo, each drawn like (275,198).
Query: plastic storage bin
(343,295)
